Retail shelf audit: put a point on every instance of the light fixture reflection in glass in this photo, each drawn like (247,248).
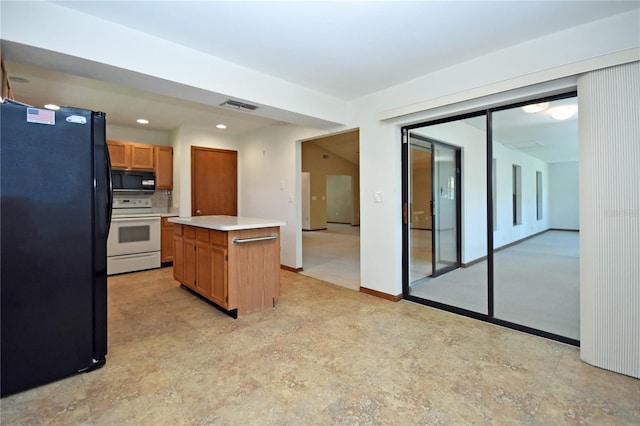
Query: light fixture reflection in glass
(53,107)
(221,126)
(564,112)
(533,108)
(142,121)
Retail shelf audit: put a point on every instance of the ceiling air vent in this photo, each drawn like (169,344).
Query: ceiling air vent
(241,106)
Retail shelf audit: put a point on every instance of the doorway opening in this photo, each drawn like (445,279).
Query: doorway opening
(330,197)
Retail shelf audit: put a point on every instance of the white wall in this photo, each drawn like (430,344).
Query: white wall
(554,56)
(270,165)
(134,134)
(339,199)
(564,196)
(182,140)
(507,232)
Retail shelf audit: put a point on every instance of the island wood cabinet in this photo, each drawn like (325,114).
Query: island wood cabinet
(237,270)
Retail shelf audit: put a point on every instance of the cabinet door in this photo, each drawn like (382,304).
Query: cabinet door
(203,269)
(163,165)
(120,153)
(189,268)
(166,241)
(219,275)
(141,156)
(178,253)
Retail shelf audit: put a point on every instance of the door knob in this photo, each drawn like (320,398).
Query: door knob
(198,212)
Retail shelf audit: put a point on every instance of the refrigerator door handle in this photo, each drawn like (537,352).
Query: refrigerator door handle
(110,187)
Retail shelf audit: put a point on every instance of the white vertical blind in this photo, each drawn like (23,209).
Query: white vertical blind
(609,105)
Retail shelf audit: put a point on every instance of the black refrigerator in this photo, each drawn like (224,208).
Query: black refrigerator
(55,211)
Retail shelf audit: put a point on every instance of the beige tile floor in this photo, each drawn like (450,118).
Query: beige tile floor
(324,355)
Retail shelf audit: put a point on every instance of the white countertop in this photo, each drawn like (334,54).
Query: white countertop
(227,223)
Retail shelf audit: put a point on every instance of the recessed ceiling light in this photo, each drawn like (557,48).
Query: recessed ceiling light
(221,126)
(533,108)
(564,112)
(142,121)
(52,106)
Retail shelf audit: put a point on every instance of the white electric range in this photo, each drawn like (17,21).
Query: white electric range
(134,237)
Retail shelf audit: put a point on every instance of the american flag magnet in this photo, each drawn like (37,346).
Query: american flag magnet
(41,116)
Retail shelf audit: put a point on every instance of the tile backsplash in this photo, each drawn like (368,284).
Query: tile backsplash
(162,199)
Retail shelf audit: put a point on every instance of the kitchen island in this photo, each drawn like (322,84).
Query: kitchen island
(232,261)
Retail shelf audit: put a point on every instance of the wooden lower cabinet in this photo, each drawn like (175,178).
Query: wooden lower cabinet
(189,256)
(218,259)
(241,277)
(166,240)
(178,253)
(203,271)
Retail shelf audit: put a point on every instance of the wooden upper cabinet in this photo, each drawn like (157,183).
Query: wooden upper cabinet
(130,155)
(163,166)
(141,156)
(120,153)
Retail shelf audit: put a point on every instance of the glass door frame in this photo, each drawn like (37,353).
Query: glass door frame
(432,143)
(458,209)
(406,290)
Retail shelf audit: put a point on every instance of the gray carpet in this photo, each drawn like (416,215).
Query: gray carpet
(536,284)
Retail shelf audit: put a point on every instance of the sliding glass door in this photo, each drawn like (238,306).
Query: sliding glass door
(435,220)
(536,249)
(446,208)
(491,216)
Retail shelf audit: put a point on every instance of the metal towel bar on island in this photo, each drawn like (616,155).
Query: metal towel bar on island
(251,240)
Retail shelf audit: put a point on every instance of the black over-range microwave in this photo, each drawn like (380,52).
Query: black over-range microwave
(133,181)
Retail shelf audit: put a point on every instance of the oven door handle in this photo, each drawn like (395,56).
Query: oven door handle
(136,219)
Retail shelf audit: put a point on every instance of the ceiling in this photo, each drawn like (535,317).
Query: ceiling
(124,105)
(349,49)
(344,144)
(343,49)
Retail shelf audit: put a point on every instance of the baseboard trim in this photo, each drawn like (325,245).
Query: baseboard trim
(515,243)
(380,294)
(311,230)
(473,262)
(289,268)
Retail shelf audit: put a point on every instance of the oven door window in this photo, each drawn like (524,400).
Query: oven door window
(134,234)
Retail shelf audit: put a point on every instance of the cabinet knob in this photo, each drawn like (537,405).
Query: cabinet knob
(198,212)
